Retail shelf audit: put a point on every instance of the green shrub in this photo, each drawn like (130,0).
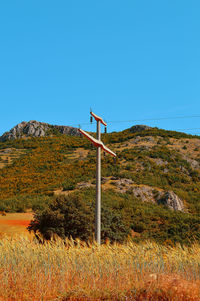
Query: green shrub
(68,185)
(73,216)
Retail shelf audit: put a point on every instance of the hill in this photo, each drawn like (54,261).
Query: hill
(34,128)
(155,181)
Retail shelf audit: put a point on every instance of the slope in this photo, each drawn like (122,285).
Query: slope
(150,163)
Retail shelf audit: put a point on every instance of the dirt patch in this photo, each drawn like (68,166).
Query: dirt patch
(15,223)
(78,153)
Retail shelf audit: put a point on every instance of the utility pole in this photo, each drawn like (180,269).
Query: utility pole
(98,189)
(99,145)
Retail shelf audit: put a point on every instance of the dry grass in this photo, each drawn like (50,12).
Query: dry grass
(76,271)
(8,155)
(175,144)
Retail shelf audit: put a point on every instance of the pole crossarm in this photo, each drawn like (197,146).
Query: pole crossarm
(106,149)
(97,143)
(97,118)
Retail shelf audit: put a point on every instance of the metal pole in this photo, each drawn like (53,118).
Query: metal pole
(98,190)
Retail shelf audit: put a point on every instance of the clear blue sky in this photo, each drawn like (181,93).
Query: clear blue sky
(132,59)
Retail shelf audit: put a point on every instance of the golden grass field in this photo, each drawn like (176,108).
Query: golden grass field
(78,271)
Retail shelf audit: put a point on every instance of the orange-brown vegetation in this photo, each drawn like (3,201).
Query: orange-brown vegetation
(78,271)
(43,168)
(8,155)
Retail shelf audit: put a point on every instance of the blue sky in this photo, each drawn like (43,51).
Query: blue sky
(128,60)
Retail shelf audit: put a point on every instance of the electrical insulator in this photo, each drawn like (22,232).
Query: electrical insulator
(91,119)
(104,154)
(105,130)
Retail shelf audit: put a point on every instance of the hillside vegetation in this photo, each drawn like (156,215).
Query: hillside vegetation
(152,160)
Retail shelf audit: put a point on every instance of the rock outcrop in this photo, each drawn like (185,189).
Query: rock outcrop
(34,128)
(139,128)
(194,164)
(172,201)
(144,193)
(150,194)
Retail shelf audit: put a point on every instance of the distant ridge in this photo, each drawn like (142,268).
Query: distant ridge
(35,128)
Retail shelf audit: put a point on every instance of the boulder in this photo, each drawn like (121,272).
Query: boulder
(172,201)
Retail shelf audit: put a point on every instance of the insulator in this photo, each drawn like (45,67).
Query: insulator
(104,154)
(105,130)
(91,119)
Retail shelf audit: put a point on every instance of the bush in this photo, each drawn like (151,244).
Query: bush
(73,216)
(68,185)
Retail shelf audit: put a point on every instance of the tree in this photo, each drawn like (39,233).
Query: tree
(72,216)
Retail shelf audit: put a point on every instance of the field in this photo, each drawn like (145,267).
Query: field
(78,271)
(14,223)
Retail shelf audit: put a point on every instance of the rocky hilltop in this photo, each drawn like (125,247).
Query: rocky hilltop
(34,128)
(139,128)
